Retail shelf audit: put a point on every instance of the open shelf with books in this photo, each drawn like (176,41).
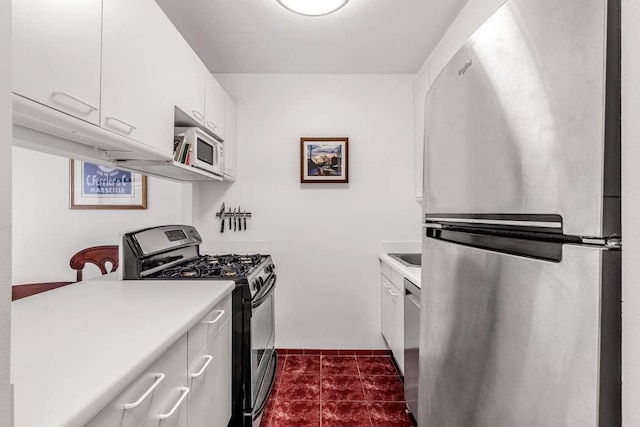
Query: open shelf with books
(181,151)
(181,168)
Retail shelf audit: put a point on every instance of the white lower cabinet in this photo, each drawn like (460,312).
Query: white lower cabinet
(397,296)
(172,412)
(210,382)
(387,310)
(189,385)
(392,299)
(148,394)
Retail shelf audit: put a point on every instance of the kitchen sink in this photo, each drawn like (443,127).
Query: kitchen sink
(410,259)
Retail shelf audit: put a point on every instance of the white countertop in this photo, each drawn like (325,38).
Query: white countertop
(412,273)
(73,349)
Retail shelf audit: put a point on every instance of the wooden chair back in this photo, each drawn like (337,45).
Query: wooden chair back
(97,255)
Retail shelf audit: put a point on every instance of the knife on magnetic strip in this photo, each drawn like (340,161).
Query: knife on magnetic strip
(222,215)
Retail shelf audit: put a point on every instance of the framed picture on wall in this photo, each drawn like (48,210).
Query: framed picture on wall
(324,160)
(102,187)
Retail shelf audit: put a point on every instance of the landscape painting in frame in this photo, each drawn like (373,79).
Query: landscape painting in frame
(103,187)
(324,160)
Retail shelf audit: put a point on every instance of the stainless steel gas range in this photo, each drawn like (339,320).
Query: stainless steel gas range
(172,252)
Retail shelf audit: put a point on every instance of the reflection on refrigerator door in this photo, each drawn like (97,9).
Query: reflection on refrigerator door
(510,340)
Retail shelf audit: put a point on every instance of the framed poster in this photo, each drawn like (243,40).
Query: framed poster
(324,160)
(103,187)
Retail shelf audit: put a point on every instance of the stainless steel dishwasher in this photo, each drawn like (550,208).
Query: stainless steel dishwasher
(411,345)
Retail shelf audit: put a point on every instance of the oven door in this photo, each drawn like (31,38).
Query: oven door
(262,343)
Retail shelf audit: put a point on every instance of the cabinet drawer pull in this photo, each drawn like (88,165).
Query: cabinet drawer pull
(394,294)
(78,100)
(115,119)
(156,383)
(184,391)
(198,115)
(211,322)
(204,367)
(212,125)
(386,285)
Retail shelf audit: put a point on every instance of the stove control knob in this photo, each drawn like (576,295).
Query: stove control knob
(273,267)
(268,269)
(256,285)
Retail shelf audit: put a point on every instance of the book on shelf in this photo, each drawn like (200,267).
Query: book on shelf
(178,143)
(185,151)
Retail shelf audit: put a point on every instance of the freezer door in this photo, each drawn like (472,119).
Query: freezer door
(514,341)
(515,123)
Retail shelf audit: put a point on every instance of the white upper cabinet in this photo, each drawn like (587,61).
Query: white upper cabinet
(138,72)
(214,106)
(190,82)
(230,140)
(121,68)
(56,54)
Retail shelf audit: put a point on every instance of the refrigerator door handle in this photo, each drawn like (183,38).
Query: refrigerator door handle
(610,243)
(499,222)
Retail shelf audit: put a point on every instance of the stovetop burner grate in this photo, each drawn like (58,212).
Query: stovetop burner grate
(225,266)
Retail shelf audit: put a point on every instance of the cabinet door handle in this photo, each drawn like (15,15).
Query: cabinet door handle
(393,293)
(183,394)
(198,115)
(211,322)
(386,285)
(204,367)
(156,383)
(115,119)
(78,100)
(211,125)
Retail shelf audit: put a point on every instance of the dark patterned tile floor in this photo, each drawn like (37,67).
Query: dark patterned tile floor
(333,390)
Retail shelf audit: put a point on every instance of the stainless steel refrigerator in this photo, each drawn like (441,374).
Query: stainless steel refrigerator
(520,305)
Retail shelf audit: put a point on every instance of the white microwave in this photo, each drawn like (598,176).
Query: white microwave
(206,152)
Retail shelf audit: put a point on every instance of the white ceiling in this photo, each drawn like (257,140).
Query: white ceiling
(364,37)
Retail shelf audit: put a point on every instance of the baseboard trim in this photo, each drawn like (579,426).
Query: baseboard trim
(333,352)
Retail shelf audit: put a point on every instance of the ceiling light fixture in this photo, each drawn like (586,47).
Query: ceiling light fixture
(313,7)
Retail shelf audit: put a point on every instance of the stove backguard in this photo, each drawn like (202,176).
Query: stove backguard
(148,251)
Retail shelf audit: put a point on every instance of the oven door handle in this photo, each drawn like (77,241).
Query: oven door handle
(266,294)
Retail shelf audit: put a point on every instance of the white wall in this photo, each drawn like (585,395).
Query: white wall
(630,210)
(472,16)
(46,230)
(6,406)
(324,238)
